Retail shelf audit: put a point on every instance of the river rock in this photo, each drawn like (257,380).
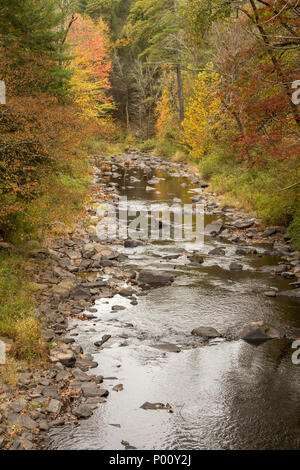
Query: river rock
(243,224)
(83,411)
(118,388)
(218,251)
(66,358)
(258,332)
(60,293)
(244,251)
(104,340)
(236,267)
(43,425)
(270,293)
(214,228)
(168,347)
(19,405)
(54,406)
(22,443)
(90,389)
(154,406)
(269,232)
(293,294)
(132,243)
(23,421)
(88,250)
(206,332)
(196,259)
(155,278)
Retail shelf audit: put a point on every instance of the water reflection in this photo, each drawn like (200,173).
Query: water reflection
(227,395)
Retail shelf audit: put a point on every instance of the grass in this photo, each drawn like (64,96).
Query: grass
(19,320)
(52,214)
(256,189)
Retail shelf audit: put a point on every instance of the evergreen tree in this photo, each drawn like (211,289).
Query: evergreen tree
(31,40)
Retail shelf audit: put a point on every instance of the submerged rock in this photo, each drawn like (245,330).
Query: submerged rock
(291,294)
(236,267)
(132,243)
(206,332)
(196,260)
(155,278)
(259,332)
(169,347)
(218,251)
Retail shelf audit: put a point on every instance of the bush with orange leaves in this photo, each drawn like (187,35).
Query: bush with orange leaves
(39,141)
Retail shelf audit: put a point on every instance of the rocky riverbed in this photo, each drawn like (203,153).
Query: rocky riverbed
(95,298)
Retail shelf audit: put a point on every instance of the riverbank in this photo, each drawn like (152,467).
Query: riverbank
(75,272)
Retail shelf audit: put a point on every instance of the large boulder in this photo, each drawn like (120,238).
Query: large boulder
(258,332)
(206,332)
(155,278)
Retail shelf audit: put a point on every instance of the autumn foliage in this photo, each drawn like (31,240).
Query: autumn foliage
(43,128)
(90,67)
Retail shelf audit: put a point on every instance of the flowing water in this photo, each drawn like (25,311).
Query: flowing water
(225,395)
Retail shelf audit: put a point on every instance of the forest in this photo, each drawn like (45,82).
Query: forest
(214,83)
(209,89)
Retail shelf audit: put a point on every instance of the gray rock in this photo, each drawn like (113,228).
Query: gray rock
(85,364)
(270,293)
(19,405)
(236,267)
(23,421)
(293,294)
(50,392)
(196,260)
(54,406)
(154,406)
(88,250)
(83,411)
(155,278)
(62,375)
(21,443)
(118,388)
(168,347)
(269,232)
(219,251)
(104,340)
(60,293)
(90,389)
(133,243)
(244,251)
(214,228)
(206,332)
(258,332)
(244,224)
(66,358)
(43,425)
(81,376)
(116,308)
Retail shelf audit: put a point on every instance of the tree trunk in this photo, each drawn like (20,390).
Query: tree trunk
(180,93)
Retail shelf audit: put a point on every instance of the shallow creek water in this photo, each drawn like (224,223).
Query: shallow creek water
(226,395)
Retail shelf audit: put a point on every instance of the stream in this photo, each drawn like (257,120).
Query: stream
(226,394)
